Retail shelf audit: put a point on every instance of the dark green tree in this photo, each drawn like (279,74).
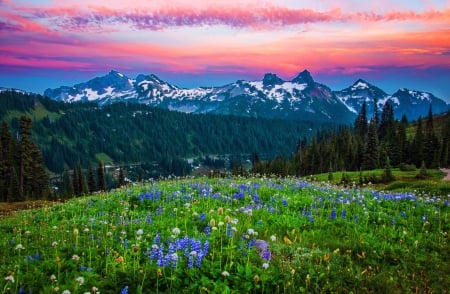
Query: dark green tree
(361,124)
(121,178)
(387,127)
(387,172)
(417,146)
(92,185)
(101,177)
(82,184)
(431,146)
(76,183)
(67,185)
(371,156)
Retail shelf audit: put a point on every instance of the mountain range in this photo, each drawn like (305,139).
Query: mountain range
(301,98)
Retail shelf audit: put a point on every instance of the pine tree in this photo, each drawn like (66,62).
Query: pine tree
(431,145)
(76,183)
(92,186)
(371,155)
(68,184)
(417,146)
(101,177)
(40,179)
(361,125)
(82,181)
(386,128)
(387,173)
(121,179)
(25,159)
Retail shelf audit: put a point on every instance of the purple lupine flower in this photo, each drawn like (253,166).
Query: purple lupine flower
(229,230)
(284,202)
(208,230)
(344,214)
(202,216)
(157,239)
(124,290)
(206,247)
(174,259)
(261,245)
(266,254)
(251,243)
(190,263)
(333,214)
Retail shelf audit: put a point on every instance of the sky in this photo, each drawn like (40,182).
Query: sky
(391,44)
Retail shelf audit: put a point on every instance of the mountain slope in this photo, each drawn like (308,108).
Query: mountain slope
(72,134)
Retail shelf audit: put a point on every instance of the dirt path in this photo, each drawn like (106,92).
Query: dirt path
(447,171)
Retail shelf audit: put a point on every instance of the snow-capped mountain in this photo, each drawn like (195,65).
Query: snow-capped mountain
(411,103)
(272,97)
(416,103)
(3,89)
(302,98)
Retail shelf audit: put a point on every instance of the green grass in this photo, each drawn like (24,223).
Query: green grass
(403,180)
(39,113)
(242,235)
(103,157)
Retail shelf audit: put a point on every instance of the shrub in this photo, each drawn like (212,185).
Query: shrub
(407,167)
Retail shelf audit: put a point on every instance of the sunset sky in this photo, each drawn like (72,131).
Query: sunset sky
(392,44)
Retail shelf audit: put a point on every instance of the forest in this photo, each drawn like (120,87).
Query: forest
(75,143)
(371,143)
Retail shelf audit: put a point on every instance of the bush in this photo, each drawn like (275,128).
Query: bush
(407,167)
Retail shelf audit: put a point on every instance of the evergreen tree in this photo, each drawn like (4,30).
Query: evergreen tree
(376,114)
(361,125)
(386,128)
(121,179)
(423,173)
(25,159)
(92,186)
(13,188)
(371,155)
(417,146)
(40,179)
(67,185)
(76,183)
(82,181)
(101,177)
(431,146)
(387,173)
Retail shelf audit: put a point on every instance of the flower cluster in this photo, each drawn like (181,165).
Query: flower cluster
(175,249)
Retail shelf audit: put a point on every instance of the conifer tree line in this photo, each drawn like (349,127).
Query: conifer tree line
(371,143)
(22,171)
(79,182)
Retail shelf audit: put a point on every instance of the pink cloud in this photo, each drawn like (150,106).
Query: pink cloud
(15,22)
(160,17)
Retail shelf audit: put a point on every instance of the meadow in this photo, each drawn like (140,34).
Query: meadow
(235,235)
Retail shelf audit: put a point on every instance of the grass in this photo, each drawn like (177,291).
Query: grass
(103,157)
(403,180)
(239,235)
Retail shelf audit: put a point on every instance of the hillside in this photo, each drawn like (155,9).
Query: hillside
(76,134)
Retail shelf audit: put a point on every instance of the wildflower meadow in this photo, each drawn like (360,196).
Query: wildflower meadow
(236,235)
